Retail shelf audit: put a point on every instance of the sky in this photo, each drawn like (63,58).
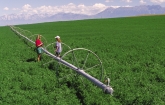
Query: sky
(88,7)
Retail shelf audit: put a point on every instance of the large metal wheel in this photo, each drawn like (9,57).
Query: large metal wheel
(33,38)
(51,48)
(19,30)
(85,60)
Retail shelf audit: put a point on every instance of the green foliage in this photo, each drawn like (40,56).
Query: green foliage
(131,49)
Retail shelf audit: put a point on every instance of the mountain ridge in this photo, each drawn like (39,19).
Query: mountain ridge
(14,19)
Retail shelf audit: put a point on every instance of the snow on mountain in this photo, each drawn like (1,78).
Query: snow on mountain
(131,11)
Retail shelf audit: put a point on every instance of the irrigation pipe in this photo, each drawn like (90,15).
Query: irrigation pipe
(106,88)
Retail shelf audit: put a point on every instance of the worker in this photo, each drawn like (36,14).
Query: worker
(58,47)
(38,47)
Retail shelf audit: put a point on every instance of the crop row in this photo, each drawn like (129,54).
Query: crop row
(131,49)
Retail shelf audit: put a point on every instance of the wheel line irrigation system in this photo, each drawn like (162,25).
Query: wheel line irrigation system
(106,88)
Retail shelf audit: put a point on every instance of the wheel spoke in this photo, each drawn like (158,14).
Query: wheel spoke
(92,67)
(74,57)
(48,62)
(85,60)
(66,76)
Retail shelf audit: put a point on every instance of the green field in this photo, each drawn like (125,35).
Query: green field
(132,51)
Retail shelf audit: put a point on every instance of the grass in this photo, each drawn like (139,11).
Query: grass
(131,49)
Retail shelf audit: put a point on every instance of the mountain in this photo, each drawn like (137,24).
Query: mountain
(131,11)
(66,16)
(38,18)
(110,12)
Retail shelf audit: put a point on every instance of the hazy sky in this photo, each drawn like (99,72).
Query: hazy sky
(75,6)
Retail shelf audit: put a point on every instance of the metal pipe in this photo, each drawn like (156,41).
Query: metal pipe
(105,88)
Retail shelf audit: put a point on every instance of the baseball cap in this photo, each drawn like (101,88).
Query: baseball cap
(57,37)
